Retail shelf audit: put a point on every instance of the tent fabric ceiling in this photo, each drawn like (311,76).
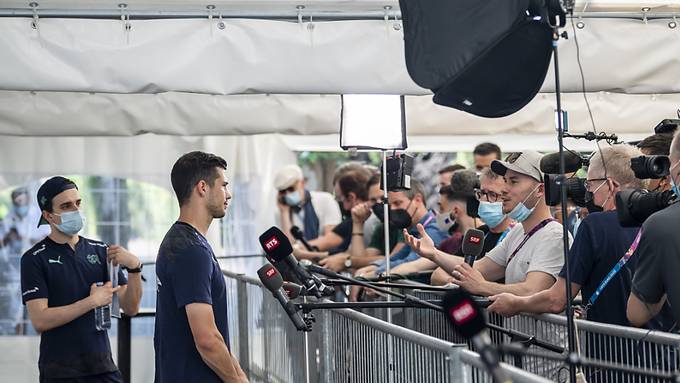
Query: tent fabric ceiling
(88,77)
(263,56)
(187,114)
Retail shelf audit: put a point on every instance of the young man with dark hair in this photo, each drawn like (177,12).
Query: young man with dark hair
(191,331)
(59,280)
(657,145)
(446,172)
(484,154)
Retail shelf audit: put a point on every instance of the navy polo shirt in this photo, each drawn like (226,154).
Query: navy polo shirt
(64,276)
(187,272)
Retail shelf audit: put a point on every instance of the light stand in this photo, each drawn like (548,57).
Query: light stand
(375,122)
(561,116)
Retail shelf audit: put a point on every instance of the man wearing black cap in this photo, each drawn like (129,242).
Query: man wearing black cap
(59,277)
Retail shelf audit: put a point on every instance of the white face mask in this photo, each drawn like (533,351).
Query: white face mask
(445,222)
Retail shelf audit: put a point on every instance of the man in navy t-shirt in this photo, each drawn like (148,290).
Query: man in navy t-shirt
(191,330)
(58,280)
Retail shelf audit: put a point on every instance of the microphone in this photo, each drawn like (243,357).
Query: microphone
(279,250)
(271,279)
(550,163)
(468,320)
(473,244)
(297,234)
(293,290)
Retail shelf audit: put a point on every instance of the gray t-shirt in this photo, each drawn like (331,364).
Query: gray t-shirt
(542,252)
(659,259)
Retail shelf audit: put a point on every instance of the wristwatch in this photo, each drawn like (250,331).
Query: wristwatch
(348,262)
(138,269)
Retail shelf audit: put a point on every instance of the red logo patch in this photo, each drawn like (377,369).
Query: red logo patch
(272,243)
(462,313)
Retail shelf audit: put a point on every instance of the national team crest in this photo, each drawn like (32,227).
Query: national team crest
(93,259)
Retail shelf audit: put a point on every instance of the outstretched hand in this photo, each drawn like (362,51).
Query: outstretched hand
(424,245)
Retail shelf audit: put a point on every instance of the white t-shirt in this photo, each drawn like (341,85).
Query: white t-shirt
(326,208)
(542,252)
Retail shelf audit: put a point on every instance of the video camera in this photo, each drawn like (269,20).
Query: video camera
(576,190)
(635,206)
(647,167)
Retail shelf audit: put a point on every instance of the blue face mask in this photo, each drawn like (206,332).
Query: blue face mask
(491,213)
(293,198)
(71,222)
(21,211)
(674,186)
(520,213)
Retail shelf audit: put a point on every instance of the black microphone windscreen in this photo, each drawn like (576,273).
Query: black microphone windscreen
(270,277)
(275,244)
(463,313)
(296,232)
(550,163)
(293,290)
(473,242)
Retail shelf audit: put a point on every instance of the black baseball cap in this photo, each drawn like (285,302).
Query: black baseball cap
(48,190)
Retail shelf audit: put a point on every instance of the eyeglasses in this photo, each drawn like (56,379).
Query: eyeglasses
(488,196)
(588,184)
(288,190)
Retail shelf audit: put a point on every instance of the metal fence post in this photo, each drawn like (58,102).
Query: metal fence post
(124,346)
(243,337)
(457,371)
(325,363)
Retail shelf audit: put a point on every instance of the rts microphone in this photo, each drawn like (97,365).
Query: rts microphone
(297,234)
(473,244)
(468,320)
(279,250)
(550,163)
(271,279)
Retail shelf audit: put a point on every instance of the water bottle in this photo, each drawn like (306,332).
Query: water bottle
(102,315)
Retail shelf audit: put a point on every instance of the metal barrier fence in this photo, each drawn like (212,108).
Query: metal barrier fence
(345,346)
(642,349)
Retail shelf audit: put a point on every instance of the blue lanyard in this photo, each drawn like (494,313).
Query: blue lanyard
(615,270)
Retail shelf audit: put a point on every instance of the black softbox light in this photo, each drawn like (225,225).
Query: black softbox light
(485,57)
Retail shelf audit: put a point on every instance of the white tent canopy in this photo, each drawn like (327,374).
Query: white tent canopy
(268,74)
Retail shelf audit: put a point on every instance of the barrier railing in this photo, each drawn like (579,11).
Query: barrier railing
(645,350)
(345,345)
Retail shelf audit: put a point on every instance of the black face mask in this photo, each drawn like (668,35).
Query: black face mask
(590,203)
(399,218)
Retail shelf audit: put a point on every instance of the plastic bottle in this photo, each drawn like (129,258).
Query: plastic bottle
(102,315)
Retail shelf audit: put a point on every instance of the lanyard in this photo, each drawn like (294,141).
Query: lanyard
(503,234)
(615,270)
(527,236)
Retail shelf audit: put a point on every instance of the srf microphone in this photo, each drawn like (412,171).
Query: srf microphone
(550,163)
(279,250)
(271,279)
(473,244)
(468,321)
(299,235)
